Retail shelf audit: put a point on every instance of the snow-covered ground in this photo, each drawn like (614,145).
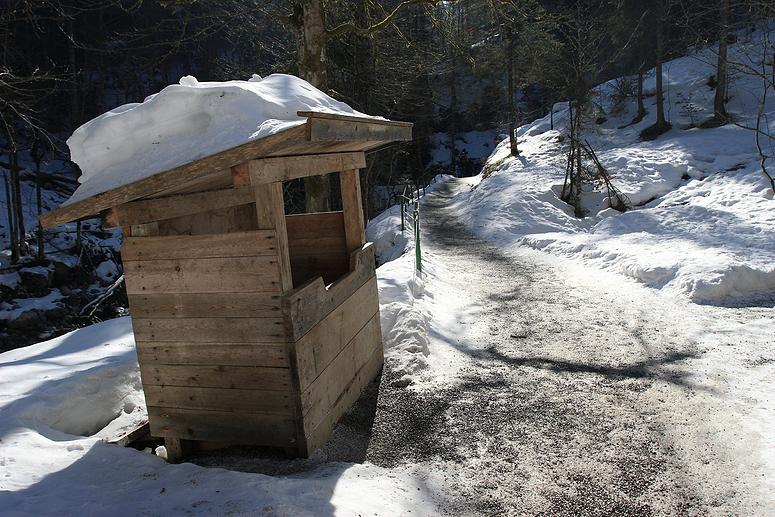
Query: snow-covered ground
(704,219)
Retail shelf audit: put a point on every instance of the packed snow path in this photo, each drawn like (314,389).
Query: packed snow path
(561,394)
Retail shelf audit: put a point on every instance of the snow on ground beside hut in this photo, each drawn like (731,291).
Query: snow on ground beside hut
(188,121)
(403,295)
(60,398)
(703,223)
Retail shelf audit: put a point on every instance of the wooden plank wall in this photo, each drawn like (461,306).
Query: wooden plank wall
(211,336)
(336,359)
(347,350)
(317,246)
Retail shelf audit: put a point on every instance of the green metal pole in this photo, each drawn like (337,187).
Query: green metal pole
(417,251)
(403,204)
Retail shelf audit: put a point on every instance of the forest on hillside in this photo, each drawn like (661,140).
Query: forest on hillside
(459,70)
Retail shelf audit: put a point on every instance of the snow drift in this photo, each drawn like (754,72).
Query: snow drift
(703,223)
(188,121)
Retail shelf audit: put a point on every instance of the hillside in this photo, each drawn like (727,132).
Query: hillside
(702,217)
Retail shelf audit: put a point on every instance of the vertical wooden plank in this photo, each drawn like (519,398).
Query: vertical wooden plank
(174,448)
(354,230)
(270,213)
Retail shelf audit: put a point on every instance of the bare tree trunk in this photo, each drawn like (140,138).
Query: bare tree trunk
(578,209)
(38,199)
(17,201)
(641,65)
(74,102)
(512,100)
(719,108)
(453,115)
(660,92)
(311,40)
(661,125)
(12,233)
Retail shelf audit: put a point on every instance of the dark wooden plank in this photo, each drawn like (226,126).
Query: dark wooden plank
(238,244)
(225,220)
(368,130)
(306,305)
(339,368)
(318,224)
(149,210)
(206,305)
(219,399)
(206,275)
(210,330)
(223,426)
(352,118)
(286,168)
(317,433)
(318,348)
(225,354)
(229,377)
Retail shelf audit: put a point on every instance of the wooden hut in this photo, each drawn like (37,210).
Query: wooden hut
(252,326)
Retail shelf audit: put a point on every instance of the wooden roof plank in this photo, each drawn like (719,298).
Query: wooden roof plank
(268,170)
(350,118)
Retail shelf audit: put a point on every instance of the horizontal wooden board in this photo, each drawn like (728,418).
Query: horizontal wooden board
(227,354)
(333,130)
(330,267)
(206,305)
(352,118)
(148,210)
(286,168)
(311,226)
(322,393)
(222,426)
(317,349)
(210,330)
(219,399)
(319,245)
(206,275)
(239,244)
(240,218)
(316,435)
(230,377)
(310,303)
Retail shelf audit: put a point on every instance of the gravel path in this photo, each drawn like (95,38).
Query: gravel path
(567,400)
(549,392)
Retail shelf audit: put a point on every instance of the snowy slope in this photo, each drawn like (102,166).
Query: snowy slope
(188,121)
(704,217)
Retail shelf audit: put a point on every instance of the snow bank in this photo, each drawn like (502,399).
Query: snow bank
(402,291)
(704,216)
(185,122)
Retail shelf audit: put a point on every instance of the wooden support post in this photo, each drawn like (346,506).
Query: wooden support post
(355,233)
(270,211)
(174,448)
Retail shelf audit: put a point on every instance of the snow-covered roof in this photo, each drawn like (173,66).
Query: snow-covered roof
(195,132)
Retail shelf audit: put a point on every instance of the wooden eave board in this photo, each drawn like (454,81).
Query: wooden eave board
(321,133)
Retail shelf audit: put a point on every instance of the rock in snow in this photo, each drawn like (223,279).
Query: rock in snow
(188,121)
